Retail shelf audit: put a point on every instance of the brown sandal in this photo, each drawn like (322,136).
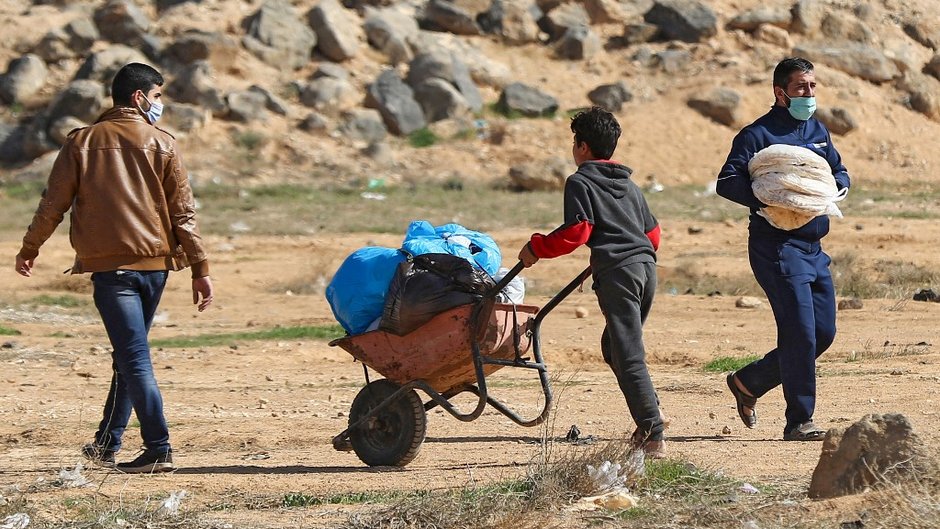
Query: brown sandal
(743,400)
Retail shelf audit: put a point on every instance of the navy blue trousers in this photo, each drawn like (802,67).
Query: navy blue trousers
(795,276)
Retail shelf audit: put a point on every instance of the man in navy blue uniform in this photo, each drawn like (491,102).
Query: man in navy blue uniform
(789,265)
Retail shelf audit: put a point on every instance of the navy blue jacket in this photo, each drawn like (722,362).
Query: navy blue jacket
(777,127)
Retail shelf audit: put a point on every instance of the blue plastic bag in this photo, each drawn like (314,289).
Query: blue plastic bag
(357,291)
(478,248)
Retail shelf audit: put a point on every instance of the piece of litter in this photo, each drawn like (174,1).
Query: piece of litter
(15,521)
(615,500)
(171,505)
(372,196)
(257,457)
(747,488)
(606,477)
(73,478)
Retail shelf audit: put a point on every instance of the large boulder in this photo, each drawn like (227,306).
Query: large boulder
(877,450)
(577,44)
(246,106)
(611,96)
(933,67)
(83,99)
(60,129)
(837,120)
(925,30)
(122,22)
(445,15)
(558,21)
(865,62)
(447,66)
(515,21)
(685,20)
(102,66)
(844,27)
(10,140)
(70,41)
(923,93)
(440,100)
(519,98)
(328,93)
(720,105)
(390,30)
(363,125)
(276,34)
(395,101)
(194,45)
(807,16)
(24,77)
(195,85)
(751,19)
(186,118)
(544,175)
(338,30)
(272,102)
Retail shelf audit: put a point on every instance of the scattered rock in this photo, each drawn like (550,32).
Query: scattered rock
(81,99)
(878,449)
(277,35)
(338,30)
(389,30)
(545,175)
(314,123)
(926,294)
(24,77)
(671,61)
(440,100)
(246,106)
(526,100)
(748,302)
(807,16)
(271,101)
(774,35)
(695,230)
(9,345)
(837,120)
(195,85)
(637,33)
(924,30)
(720,105)
(611,96)
(850,304)
(186,118)
(558,21)
(841,27)
(102,66)
(363,124)
(444,15)
(685,20)
(923,93)
(395,101)
(862,61)
(220,50)
(726,430)
(328,92)
(122,22)
(515,22)
(580,312)
(897,372)
(70,41)
(379,152)
(578,43)
(754,18)
(60,128)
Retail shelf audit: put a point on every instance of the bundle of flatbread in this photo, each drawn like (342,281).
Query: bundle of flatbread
(796,184)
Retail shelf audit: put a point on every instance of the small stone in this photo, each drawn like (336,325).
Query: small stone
(9,345)
(897,372)
(580,312)
(859,227)
(712,415)
(726,430)
(850,304)
(269,378)
(695,230)
(748,302)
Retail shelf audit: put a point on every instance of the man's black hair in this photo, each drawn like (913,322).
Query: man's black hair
(131,78)
(788,67)
(599,129)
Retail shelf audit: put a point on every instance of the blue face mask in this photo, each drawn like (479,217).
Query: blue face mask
(801,108)
(154,112)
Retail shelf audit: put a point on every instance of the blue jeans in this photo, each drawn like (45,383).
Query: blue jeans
(795,276)
(127,301)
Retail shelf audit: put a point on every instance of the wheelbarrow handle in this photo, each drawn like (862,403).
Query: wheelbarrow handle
(506,279)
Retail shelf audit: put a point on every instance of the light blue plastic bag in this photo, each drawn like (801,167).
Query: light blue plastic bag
(357,291)
(478,248)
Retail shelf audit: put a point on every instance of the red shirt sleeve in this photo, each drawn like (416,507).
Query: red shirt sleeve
(653,236)
(561,241)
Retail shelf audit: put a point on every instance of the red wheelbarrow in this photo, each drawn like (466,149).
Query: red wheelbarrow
(451,354)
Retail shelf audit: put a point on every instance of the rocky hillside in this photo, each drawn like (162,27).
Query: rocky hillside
(331,93)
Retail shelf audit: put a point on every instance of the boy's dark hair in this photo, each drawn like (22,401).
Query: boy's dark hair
(787,67)
(599,129)
(131,78)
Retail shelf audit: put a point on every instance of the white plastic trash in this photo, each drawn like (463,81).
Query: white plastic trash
(19,520)
(606,476)
(171,505)
(513,292)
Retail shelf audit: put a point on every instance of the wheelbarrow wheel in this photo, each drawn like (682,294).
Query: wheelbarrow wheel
(393,436)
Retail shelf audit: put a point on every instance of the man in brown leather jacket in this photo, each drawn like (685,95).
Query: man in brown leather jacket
(132,220)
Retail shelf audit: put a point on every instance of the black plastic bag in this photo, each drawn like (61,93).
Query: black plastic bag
(427,285)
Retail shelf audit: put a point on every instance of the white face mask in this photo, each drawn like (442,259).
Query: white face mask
(154,112)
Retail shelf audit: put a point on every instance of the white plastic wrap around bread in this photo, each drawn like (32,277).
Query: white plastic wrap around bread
(796,184)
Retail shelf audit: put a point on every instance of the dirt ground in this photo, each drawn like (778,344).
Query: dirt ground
(253,421)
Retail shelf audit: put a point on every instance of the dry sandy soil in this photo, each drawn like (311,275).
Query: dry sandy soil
(234,451)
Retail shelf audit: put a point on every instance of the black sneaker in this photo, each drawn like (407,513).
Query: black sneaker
(149,462)
(98,454)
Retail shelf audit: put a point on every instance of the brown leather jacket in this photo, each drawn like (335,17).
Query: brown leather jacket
(132,207)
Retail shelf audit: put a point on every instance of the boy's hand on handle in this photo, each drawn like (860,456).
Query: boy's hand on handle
(24,267)
(202,286)
(527,257)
